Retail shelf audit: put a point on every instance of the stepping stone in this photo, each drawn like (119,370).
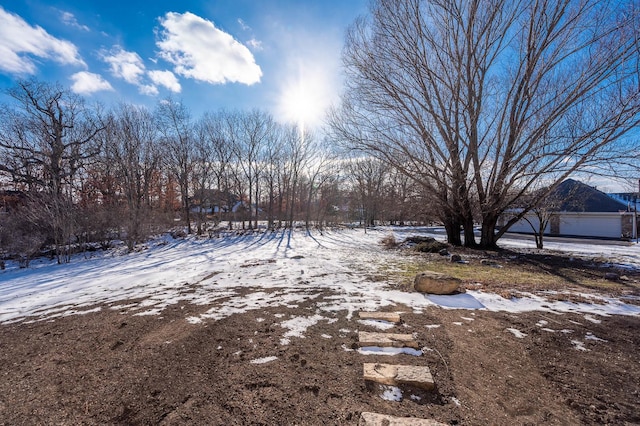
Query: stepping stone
(375,419)
(394,375)
(386,340)
(381,316)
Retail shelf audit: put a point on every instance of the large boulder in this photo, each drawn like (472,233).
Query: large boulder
(436,283)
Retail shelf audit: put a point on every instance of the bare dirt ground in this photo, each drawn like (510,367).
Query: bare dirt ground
(114,368)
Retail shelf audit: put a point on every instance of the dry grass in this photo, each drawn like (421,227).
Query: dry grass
(519,272)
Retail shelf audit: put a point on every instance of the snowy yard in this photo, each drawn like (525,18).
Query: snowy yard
(294,267)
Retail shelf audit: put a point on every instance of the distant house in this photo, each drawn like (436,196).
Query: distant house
(582,211)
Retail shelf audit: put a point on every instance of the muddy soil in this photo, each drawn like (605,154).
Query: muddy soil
(114,368)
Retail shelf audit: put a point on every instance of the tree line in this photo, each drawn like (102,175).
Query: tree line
(76,176)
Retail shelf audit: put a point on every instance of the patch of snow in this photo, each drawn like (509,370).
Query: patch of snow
(391,393)
(592,319)
(377,350)
(566,331)
(519,334)
(578,345)
(259,319)
(263,360)
(326,336)
(345,348)
(430,326)
(550,330)
(379,324)
(297,326)
(542,323)
(415,397)
(455,400)
(591,336)
(457,323)
(468,319)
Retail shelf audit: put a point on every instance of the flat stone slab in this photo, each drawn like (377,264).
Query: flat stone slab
(387,340)
(394,375)
(375,419)
(381,316)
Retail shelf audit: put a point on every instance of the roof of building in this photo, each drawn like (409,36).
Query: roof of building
(576,196)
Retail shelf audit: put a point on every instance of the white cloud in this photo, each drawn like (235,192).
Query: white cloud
(255,44)
(243,25)
(87,82)
(19,40)
(125,65)
(148,89)
(69,19)
(166,79)
(201,51)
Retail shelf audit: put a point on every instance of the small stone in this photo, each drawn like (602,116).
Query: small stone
(611,276)
(375,419)
(435,283)
(489,262)
(444,252)
(456,258)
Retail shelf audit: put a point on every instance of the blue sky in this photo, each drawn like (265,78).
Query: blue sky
(282,56)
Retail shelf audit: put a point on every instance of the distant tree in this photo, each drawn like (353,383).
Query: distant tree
(132,143)
(479,100)
(176,128)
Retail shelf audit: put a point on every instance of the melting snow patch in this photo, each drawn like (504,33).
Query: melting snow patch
(455,400)
(457,323)
(346,349)
(391,393)
(259,319)
(542,323)
(379,324)
(297,326)
(590,336)
(519,334)
(550,330)
(430,326)
(415,397)
(326,336)
(468,319)
(578,345)
(566,331)
(263,360)
(592,319)
(376,350)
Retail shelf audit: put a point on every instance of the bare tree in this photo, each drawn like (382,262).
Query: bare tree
(132,142)
(46,136)
(174,123)
(478,100)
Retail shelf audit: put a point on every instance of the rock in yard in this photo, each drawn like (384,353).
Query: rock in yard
(387,340)
(435,283)
(456,258)
(490,262)
(381,316)
(394,375)
(611,276)
(375,419)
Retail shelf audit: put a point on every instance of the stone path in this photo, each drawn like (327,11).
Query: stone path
(390,374)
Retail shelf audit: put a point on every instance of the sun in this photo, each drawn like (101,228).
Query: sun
(303,100)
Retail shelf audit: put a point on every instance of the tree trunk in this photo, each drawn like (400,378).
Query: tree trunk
(488,232)
(452,226)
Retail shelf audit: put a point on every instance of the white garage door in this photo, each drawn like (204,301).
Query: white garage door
(592,226)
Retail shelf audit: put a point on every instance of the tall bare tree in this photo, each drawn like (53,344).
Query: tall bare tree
(476,100)
(132,141)
(174,123)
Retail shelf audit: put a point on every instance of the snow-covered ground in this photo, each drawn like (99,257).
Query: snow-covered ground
(235,274)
